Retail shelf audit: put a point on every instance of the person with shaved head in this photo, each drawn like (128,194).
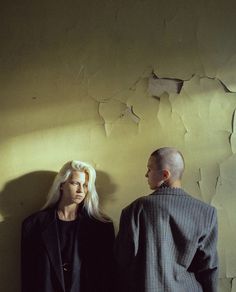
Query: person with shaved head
(167,240)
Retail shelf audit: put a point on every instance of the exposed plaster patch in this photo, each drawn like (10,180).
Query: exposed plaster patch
(157,86)
(112,111)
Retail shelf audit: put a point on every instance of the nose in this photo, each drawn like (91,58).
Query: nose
(80,188)
(146,174)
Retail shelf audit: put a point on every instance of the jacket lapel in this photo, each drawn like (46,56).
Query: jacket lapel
(51,241)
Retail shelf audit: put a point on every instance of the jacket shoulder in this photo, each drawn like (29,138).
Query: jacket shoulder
(135,206)
(185,199)
(36,219)
(200,204)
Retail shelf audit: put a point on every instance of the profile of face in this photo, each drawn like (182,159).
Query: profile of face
(75,188)
(153,174)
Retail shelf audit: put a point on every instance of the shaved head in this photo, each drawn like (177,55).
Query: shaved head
(171,159)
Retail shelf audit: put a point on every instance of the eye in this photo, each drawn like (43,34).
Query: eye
(74,183)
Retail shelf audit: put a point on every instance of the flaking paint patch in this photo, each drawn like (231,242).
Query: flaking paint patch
(226,75)
(170,122)
(112,111)
(225,202)
(158,86)
(221,82)
(208,181)
(232,138)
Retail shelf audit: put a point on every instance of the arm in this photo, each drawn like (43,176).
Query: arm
(108,257)
(27,258)
(206,259)
(126,246)
(126,242)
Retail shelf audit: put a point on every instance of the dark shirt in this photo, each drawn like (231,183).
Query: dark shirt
(66,232)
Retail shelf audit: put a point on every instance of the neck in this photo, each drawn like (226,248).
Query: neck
(173,184)
(176,184)
(67,212)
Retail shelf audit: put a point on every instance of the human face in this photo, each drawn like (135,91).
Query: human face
(153,174)
(75,188)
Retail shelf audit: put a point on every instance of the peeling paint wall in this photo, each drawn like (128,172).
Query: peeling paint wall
(108,82)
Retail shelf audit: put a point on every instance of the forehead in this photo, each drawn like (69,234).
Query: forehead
(79,175)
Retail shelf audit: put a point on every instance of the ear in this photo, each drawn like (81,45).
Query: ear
(165,174)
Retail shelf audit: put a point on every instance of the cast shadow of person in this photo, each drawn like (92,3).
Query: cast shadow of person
(20,198)
(105,188)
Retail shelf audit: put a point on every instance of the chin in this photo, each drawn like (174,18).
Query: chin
(77,202)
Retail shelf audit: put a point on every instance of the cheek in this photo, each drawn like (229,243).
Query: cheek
(154,177)
(68,189)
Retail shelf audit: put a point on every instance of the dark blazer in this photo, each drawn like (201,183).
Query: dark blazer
(41,259)
(167,243)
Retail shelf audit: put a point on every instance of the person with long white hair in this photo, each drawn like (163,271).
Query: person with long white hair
(67,245)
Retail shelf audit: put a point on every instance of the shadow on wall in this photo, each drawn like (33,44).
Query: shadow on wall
(105,188)
(20,198)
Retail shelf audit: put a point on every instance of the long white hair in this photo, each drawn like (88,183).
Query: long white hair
(91,201)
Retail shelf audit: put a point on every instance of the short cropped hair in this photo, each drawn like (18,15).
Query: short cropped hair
(172,159)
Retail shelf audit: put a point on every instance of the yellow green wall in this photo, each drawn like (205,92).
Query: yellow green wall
(76,82)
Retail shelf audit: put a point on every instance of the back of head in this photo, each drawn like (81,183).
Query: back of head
(171,159)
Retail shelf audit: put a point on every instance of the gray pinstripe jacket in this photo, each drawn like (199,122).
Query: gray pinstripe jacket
(167,243)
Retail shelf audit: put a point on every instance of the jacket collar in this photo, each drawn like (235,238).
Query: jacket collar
(169,191)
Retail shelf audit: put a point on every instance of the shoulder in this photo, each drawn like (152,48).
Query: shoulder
(169,199)
(199,204)
(135,207)
(37,219)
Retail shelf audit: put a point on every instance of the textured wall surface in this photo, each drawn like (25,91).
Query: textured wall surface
(108,82)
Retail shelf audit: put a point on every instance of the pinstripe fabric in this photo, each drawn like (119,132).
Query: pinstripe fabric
(167,243)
